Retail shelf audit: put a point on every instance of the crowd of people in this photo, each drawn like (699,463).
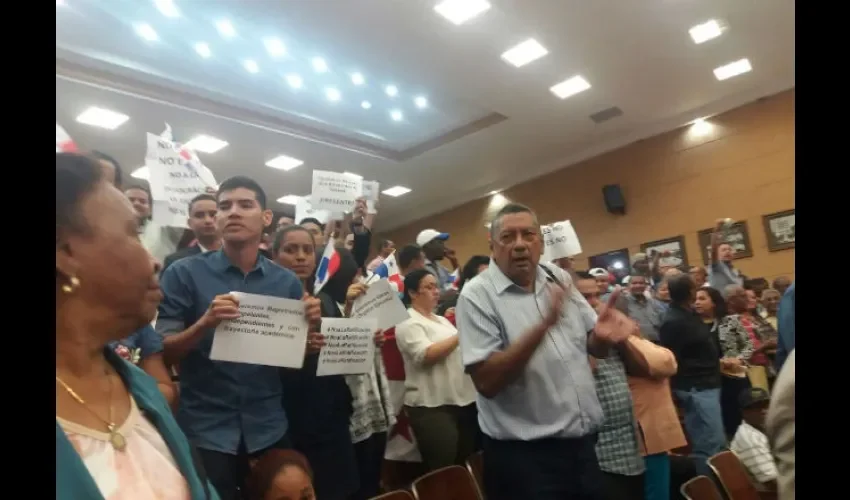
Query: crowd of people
(569,384)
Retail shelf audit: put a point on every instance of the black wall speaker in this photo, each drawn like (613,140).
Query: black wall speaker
(614,200)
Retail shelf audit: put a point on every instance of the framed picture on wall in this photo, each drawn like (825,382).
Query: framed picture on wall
(780,230)
(675,246)
(738,236)
(615,261)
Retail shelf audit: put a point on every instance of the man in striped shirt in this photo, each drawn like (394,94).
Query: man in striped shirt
(750,442)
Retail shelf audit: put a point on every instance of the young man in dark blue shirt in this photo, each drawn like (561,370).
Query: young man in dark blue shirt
(230,411)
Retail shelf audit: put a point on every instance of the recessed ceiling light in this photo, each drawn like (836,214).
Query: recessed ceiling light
(103,118)
(357,79)
(147,32)
(141,173)
(251,66)
(289,199)
(205,144)
(284,163)
(294,81)
(706,31)
(524,53)
(391,90)
(225,28)
(366,105)
(396,115)
(319,65)
(60,3)
(421,102)
(461,11)
(203,50)
(351,174)
(274,47)
(167,8)
(736,68)
(570,87)
(332,94)
(396,191)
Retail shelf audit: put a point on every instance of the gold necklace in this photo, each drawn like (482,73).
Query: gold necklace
(116,439)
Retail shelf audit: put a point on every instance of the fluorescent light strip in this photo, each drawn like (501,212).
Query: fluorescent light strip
(461,11)
(706,31)
(289,199)
(524,53)
(396,191)
(206,144)
(285,163)
(570,87)
(733,69)
(103,118)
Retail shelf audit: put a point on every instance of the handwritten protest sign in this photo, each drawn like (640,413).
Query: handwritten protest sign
(349,346)
(370,193)
(560,240)
(335,192)
(380,302)
(304,208)
(176,177)
(269,331)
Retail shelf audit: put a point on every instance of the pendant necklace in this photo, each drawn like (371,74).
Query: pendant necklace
(116,439)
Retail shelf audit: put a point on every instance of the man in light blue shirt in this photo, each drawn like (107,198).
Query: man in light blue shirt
(525,335)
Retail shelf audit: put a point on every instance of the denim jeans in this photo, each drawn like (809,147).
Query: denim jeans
(704,424)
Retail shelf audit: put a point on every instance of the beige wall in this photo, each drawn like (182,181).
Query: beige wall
(674,184)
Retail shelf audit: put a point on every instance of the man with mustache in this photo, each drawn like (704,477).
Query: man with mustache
(525,335)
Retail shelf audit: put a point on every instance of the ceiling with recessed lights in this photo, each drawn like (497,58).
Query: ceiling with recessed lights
(449,100)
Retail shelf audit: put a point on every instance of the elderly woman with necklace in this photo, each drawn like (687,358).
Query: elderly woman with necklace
(114,430)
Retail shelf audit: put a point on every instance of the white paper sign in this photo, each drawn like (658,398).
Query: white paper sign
(174,180)
(304,209)
(560,240)
(269,331)
(349,346)
(335,192)
(370,193)
(380,302)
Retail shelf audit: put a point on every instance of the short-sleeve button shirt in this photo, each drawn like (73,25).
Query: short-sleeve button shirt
(555,396)
(223,402)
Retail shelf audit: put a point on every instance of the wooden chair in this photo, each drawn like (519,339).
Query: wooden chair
(700,488)
(733,476)
(475,466)
(449,483)
(395,495)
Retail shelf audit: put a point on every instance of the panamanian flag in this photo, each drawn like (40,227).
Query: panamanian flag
(64,143)
(328,266)
(388,269)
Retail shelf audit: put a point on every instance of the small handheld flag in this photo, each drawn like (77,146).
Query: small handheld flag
(328,266)
(388,269)
(64,143)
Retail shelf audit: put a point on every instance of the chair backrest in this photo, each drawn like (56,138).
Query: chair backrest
(733,476)
(700,488)
(449,483)
(475,466)
(395,495)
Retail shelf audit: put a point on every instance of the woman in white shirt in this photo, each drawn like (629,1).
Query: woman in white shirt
(439,396)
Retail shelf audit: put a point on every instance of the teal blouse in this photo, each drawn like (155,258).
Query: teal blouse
(73,481)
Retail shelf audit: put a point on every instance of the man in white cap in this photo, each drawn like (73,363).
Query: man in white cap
(434,247)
